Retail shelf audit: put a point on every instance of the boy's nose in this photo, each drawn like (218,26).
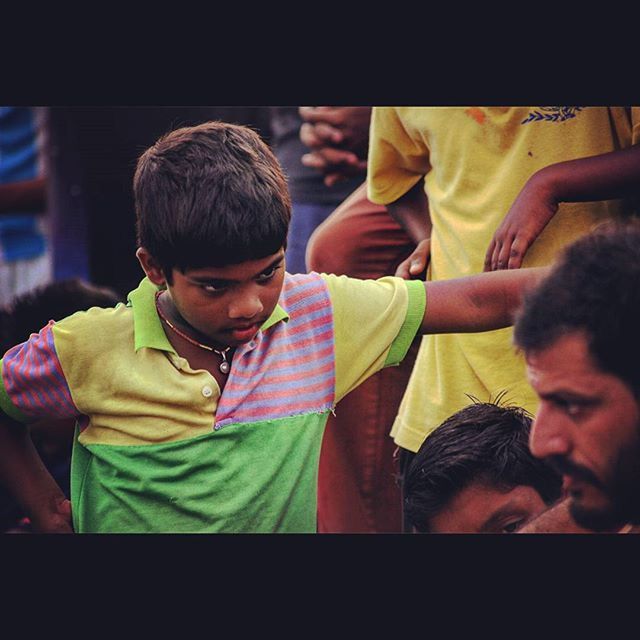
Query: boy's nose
(245,308)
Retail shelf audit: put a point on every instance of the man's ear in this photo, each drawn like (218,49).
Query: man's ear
(151,267)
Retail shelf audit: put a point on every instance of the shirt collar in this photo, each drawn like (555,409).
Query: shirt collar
(147,327)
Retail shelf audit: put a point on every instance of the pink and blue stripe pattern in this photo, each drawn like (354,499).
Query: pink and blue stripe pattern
(289,369)
(33,378)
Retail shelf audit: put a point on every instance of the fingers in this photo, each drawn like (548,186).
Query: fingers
(309,137)
(416,263)
(333,178)
(329,157)
(328,134)
(331,115)
(488,258)
(516,255)
(502,259)
(505,253)
(320,135)
(403,270)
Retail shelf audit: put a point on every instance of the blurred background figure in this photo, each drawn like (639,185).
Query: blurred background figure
(27,314)
(314,195)
(357,491)
(25,257)
(91,158)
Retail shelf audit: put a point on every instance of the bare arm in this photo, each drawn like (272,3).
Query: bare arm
(557,519)
(604,177)
(25,476)
(411,211)
(481,302)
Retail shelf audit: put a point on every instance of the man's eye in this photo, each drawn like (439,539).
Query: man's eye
(572,409)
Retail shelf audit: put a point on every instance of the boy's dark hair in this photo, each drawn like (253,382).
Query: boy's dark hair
(31,311)
(483,442)
(595,288)
(209,196)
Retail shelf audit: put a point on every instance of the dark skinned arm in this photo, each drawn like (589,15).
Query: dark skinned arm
(27,479)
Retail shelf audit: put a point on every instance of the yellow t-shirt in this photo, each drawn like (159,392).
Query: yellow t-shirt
(475,161)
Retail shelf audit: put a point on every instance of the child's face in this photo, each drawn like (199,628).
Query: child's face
(228,305)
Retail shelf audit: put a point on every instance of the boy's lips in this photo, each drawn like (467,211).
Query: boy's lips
(245,331)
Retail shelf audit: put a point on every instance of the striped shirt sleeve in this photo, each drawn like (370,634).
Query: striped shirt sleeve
(33,382)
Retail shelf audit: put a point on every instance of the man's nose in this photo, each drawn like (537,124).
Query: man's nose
(548,435)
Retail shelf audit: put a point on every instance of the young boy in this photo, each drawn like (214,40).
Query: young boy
(201,404)
(475,474)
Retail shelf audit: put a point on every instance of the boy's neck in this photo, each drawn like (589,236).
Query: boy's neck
(167,309)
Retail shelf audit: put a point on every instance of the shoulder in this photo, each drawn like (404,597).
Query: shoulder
(100,327)
(301,290)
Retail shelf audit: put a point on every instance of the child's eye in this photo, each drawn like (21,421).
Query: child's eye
(214,287)
(268,274)
(512,527)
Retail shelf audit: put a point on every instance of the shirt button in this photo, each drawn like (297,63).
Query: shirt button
(207,391)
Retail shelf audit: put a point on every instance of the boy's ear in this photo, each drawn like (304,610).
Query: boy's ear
(150,267)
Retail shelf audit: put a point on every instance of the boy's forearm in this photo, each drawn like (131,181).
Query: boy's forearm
(27,479)
(411,211)
(482,302)
(604,177)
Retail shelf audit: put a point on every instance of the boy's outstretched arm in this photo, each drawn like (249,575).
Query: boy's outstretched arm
(604,177)
(481,302)
(27,479)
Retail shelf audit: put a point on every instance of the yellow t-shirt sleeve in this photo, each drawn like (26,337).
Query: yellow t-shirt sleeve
(397,158)
(375,322)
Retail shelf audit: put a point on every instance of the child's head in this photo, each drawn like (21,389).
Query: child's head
(476,474)
(31,311)
(211,195)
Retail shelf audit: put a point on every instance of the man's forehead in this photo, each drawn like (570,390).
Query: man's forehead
(566,365)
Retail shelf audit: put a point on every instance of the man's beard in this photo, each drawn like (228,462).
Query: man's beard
(622,492)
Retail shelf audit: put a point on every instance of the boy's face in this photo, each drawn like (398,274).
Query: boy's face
(226,305)
(485,508)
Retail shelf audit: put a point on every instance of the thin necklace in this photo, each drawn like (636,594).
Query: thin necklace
(223,366)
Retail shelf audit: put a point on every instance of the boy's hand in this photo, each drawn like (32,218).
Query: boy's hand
(417,262)
(57,520)
(524,222)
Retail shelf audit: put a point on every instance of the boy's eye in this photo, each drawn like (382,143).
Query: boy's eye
(268,274)
(512,527)
(214,287)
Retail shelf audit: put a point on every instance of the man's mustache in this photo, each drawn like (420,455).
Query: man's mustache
(564,466)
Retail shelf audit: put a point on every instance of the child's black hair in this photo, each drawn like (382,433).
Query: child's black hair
(210,196)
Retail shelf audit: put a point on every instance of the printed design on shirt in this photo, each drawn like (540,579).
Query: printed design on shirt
(291,370)
(552,114)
